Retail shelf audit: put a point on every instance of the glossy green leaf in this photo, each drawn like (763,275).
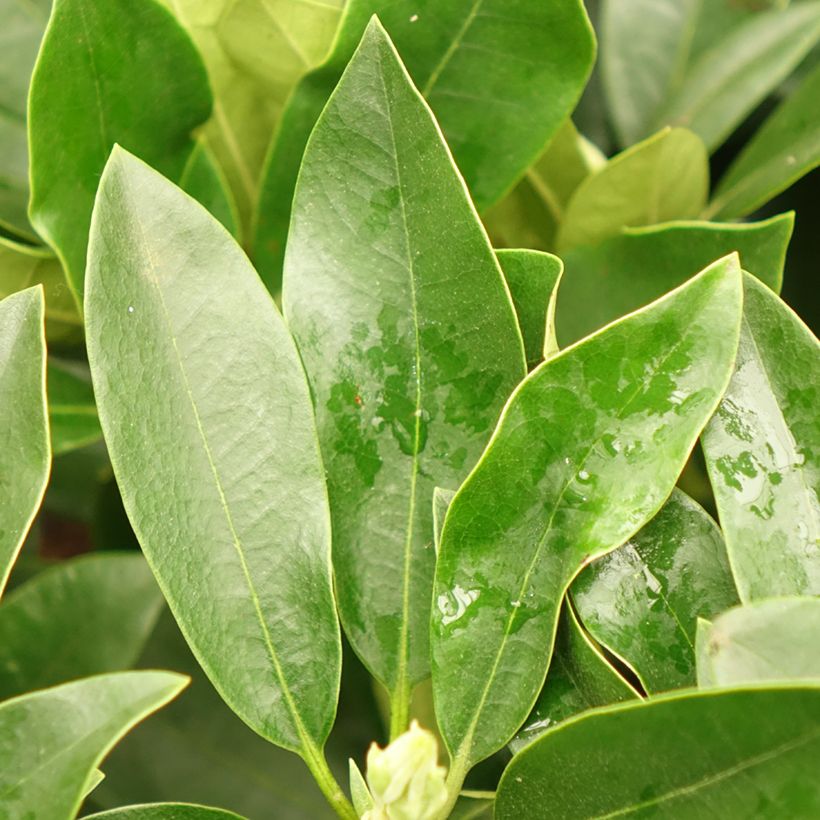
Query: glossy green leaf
(25,455)
(644,52)
(254,52)
(22,266)
(762,449)
(579,678)
(406,394)
(164,811)
(72,412)
(441,503)
(51,740)
(729,79)
(532,278)
(665,177)
(82,617)
(528,217)
(785,148)
(203,179)
(227,499)
(642,602)
(113,72)
(621,274)
(500,76)
(772,639)
(21,29)
(742,753)
(586,452)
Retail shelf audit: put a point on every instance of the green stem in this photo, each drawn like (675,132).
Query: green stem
(455,780)
(399,710)
(332,791)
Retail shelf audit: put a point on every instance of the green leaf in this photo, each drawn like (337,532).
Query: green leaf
(785,148)
(164,811)
(60,625)
(94,779)
(732,77)
(72,412)
(768,640)
(642,602)
(722,754)
(665,177)
(112,72)
(579,678)
(587,450)
(406,395)
(22,266)
(762,450)
(528,217)
(203,179)
(500,77)
(227,499)
(644,52)
(628,271)
(360,793)
(532,278)
(21,29)
(51,740)
(25,455)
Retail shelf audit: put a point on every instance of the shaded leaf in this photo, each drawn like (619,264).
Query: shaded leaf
(203,179)
(665,177)
(643,600)
(72,412)
(406,394)
(688,754)
(627,271)
(762,449)
(84,99)
(51,740)
(587,450)
(82,617)
(165,811)
(25,455)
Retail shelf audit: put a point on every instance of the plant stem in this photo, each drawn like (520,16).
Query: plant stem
(399,710)
(315,760)
(454,782)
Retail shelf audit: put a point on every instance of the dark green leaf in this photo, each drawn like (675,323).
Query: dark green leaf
(25,454)
(782,151)
(586,452)
(71,409)
(51,740)
(718,754)
(202,178)
(621,274)
(762,449)
(532,278)
(227,498)
(643,601)
(82,617)
(113,72)
(406,393)
(164,811)
(772,639)
(665,177)
(579,678)
(501,78)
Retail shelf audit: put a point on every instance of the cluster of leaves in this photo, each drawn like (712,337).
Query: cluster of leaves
(453,446)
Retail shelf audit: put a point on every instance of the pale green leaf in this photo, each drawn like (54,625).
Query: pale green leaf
(202,178)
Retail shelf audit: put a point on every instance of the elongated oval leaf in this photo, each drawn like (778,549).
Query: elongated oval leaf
(25,454)
(406,394)
(665,177)
(501,78)
(762,449)
(587,450)
(164,811)
(643,601)
(82,617)
(227,497)
(641,264)
(51,740)
(72,411)
(579,678)
(733,76)
(769,640)
(532,278)
(202,178)
(785,148)
(725,754)
(113,72)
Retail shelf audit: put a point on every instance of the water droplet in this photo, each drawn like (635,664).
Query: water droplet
(516,604)
(130,308)
(414,18)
